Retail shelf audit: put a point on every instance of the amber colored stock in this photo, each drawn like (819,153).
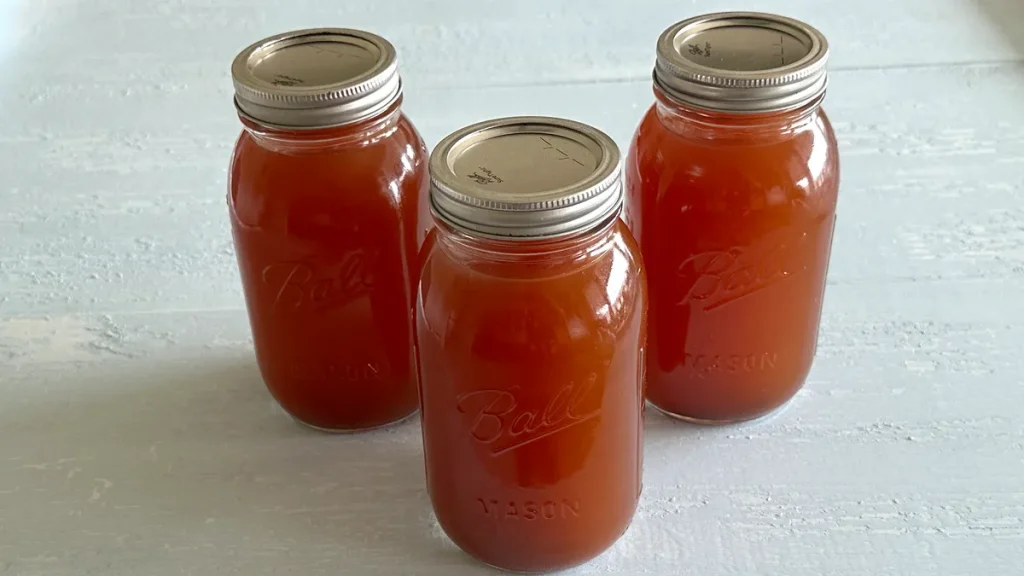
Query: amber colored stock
(734,215)
(325,224)
(531,383)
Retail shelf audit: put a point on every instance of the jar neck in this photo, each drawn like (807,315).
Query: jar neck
(710,124)
(577,248)
(362,133)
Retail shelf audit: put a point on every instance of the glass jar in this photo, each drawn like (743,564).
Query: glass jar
(732,180)
(531,327)
(328,185)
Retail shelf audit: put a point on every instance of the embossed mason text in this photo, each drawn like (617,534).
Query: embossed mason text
(529,509)
(705,364)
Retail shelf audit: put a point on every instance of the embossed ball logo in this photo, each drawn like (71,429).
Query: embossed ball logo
(303,285)
(504,421)
(719,277)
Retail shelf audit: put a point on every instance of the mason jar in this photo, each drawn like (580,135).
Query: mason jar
(327,195)
(531,328)
(732,181)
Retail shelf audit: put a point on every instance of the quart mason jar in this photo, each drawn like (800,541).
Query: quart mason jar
(732,180)
(531,326)
(327,188)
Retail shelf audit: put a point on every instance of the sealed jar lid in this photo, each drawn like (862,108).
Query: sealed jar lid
(742,62)
(525,178)
(316,78)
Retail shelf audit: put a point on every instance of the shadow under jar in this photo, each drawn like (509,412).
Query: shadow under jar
(327,187)
(732,181)
(531,326)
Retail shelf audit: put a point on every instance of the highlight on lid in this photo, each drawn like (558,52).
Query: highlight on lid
(742,62)
(527,177)
(316,78)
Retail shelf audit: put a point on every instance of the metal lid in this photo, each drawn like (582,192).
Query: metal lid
(525,178)
(316,78)
(742,62)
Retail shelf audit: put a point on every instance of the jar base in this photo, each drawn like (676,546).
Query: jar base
(531,572)
(342,431)
(560,569)
(767,416)
(541,571)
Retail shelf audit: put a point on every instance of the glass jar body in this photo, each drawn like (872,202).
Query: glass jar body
(326,225)
(734,215)
(531,383)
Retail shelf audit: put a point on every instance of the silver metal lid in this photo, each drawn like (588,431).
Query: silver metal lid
(742,62)
(525,178)
(316,78)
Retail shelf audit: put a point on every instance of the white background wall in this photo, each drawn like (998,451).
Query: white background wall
(136,437)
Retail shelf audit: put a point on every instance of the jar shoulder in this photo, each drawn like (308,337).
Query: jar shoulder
(267,179)
(729,167)
(600,293)
(252,153)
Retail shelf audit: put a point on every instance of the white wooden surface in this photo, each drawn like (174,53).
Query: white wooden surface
(137,439)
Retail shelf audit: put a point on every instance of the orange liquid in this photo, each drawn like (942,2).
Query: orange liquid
(531,371)
(734,216)
(325,225)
